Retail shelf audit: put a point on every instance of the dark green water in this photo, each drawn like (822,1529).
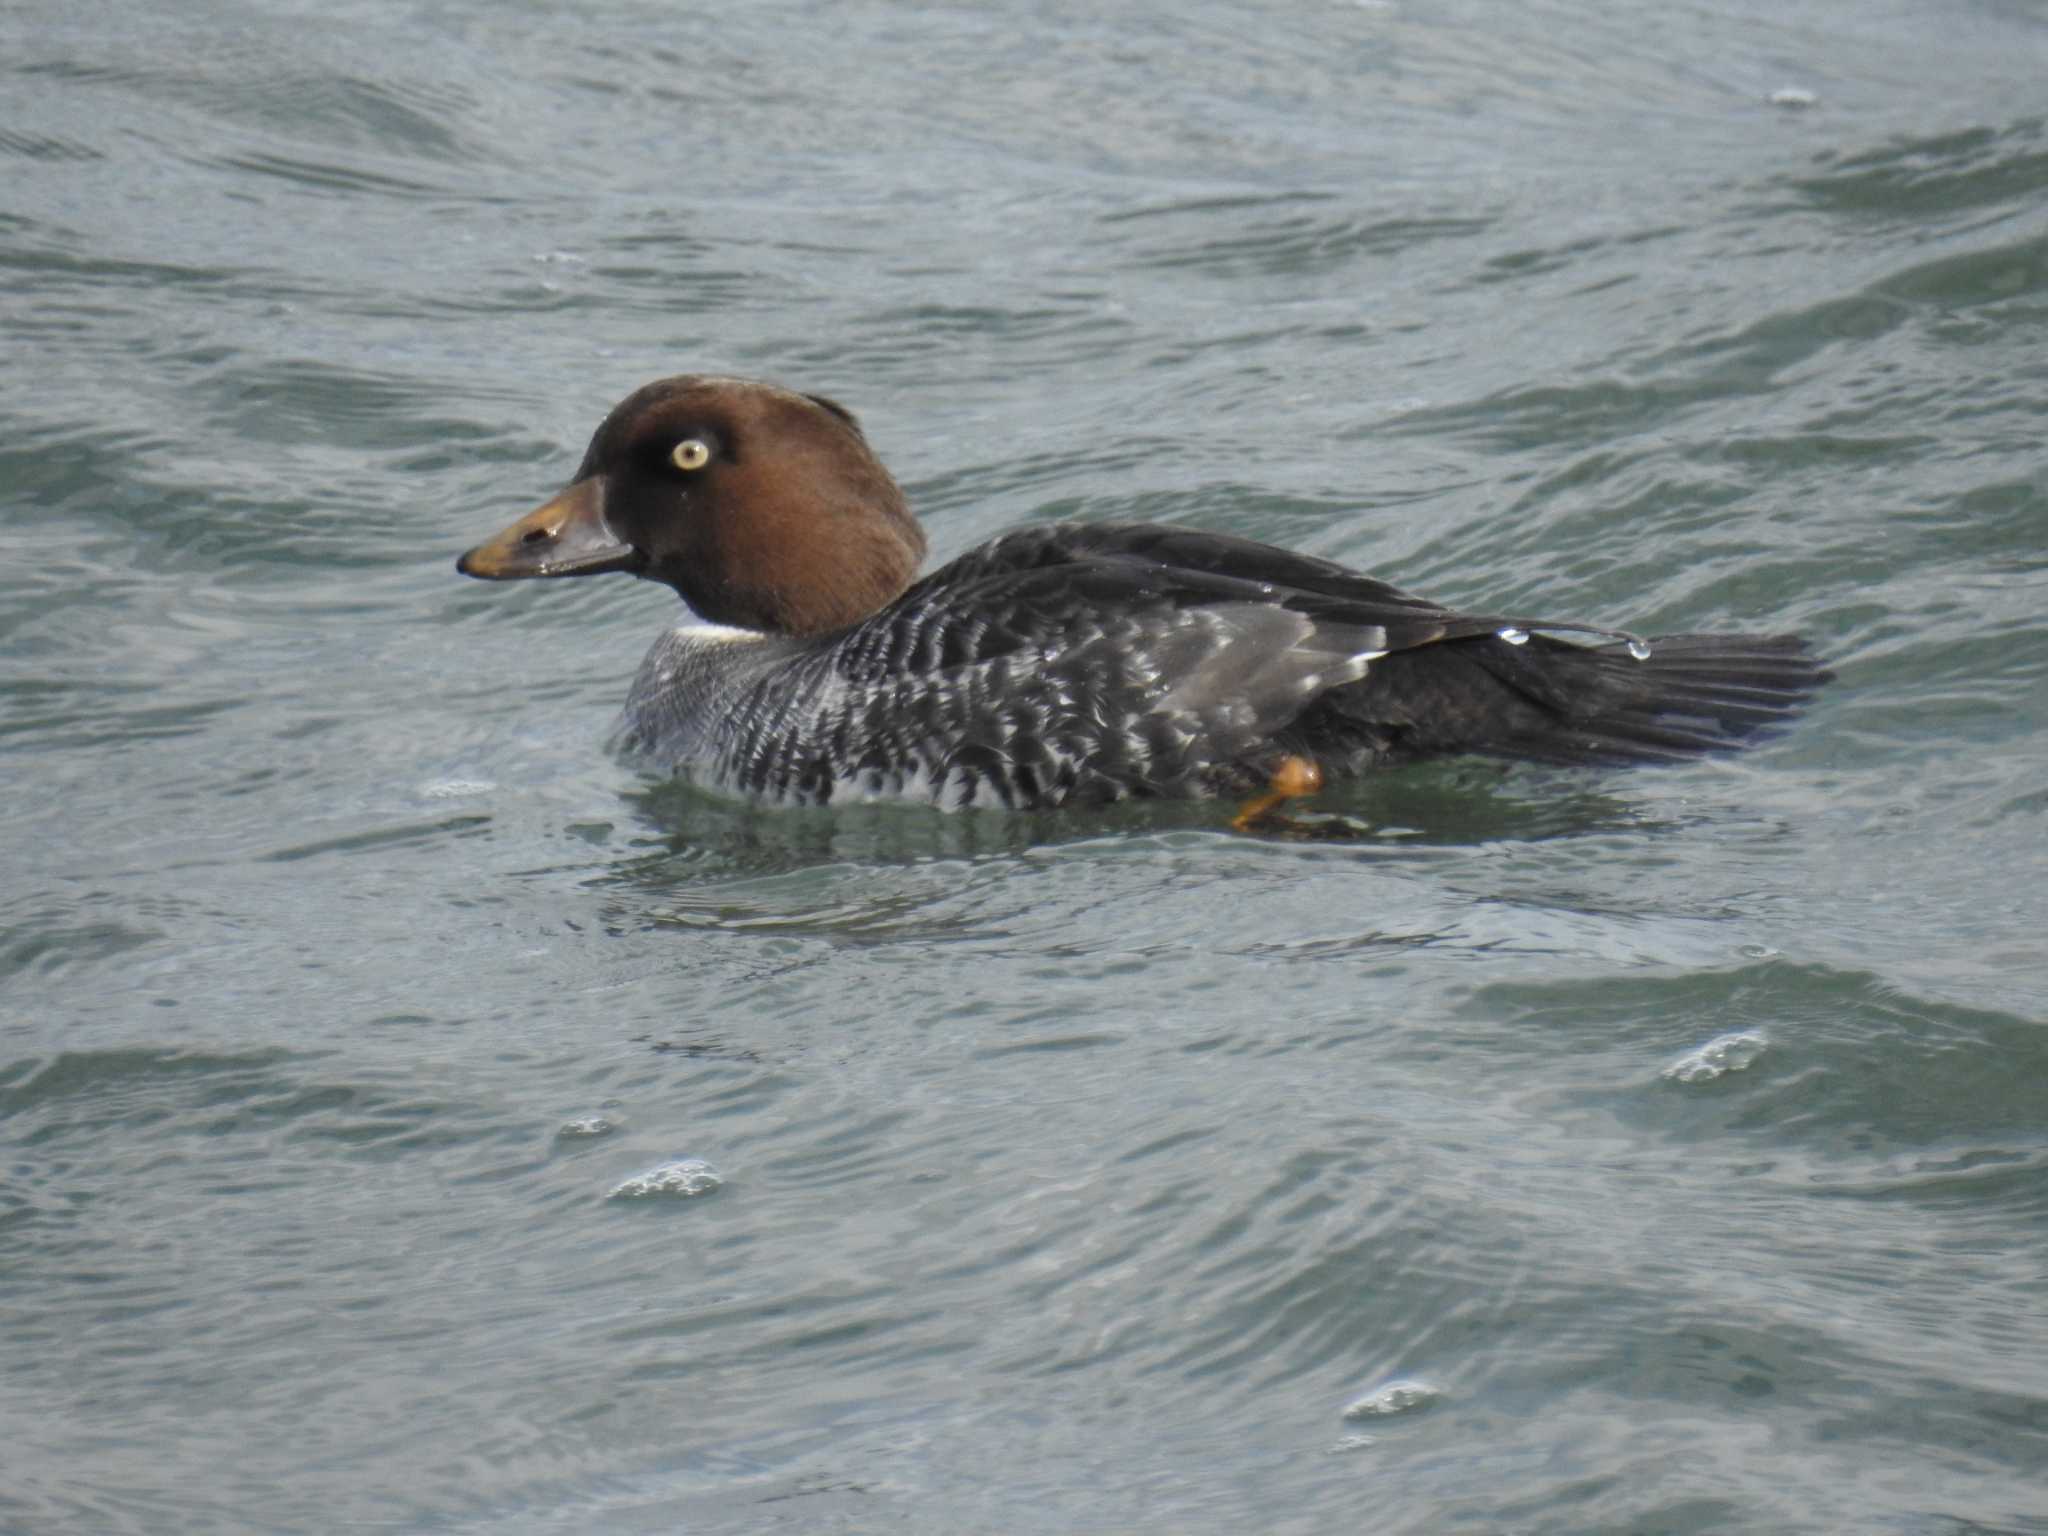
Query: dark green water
(1656,1152)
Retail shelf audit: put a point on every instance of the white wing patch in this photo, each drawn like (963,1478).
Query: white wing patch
(1262,663)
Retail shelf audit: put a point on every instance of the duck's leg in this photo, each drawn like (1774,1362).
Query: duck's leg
(1292,777)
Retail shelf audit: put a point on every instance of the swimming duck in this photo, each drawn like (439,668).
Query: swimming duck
(1069,663)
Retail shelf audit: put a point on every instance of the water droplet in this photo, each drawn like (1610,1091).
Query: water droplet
(1394,1397)
(1718,1057)
(1639,649)
(683,1177)
(1515,636)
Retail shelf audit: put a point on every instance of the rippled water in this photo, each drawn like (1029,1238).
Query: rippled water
(414,1120)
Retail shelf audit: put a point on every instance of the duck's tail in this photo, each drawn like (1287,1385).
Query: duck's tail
(1550,701)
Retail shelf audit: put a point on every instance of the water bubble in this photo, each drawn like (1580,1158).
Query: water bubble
(585,1125)
(1514,636)
(679,1179)
(1719,1056)
(1792,96)
(1639,649)
(1395,1397)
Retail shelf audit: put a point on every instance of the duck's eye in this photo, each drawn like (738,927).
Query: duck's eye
(690,453)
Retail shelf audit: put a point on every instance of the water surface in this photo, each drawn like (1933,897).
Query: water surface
(1567,1152)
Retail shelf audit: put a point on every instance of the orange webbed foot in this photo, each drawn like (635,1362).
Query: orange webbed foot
(1292,777)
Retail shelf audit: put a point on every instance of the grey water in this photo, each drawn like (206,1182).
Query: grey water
(412,1119)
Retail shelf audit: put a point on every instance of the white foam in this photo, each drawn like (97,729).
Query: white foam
(1721,1055)
(1395,1397)
(680,1179)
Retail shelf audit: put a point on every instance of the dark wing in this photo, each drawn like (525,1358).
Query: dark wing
(1086,660)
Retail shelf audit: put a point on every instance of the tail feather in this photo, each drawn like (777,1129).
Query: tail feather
(1693,695)
(1551,701)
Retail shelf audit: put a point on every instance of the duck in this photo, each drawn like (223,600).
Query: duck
(1064,664)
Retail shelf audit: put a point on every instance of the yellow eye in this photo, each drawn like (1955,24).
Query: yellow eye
(690,453)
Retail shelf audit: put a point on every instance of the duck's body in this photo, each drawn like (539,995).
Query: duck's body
(1062,664)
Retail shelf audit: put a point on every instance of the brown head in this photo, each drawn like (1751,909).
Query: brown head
(764,508)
